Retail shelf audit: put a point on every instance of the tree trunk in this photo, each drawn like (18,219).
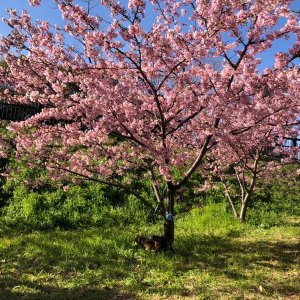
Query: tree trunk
(245,201)
(230,199)
(169,225)
(242,217)
(169,232)
(249,192)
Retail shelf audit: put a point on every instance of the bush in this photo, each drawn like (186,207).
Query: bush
(276,201)
(79,207)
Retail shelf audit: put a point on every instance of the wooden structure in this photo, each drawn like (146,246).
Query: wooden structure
(17,112)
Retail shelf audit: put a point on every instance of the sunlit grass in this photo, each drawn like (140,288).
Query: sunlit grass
(215,258)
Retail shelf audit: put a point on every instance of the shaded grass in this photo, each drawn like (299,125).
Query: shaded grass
(215,258)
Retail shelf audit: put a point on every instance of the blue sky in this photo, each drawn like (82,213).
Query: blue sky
(48,11)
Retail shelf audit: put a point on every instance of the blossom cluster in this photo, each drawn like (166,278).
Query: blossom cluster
(177,94)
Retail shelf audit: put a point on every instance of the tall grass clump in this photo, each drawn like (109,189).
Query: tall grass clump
(81,206)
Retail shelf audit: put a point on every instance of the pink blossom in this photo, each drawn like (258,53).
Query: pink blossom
(34,2)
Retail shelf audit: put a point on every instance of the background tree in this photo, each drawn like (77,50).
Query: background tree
(241,163)
(148,101)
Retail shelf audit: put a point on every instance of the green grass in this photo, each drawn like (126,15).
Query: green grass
(215,258)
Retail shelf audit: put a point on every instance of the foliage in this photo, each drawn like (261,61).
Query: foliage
(277,202)
(92,204)
(77,207)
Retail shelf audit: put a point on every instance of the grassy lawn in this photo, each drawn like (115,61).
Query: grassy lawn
(215,259)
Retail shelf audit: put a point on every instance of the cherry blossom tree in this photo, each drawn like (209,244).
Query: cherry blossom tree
(137,90)
(252,157)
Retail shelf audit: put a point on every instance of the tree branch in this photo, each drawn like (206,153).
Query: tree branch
(110,183)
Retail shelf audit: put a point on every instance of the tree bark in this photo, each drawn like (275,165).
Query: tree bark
(242,217)
(169,226)
(230,199)
(243,211)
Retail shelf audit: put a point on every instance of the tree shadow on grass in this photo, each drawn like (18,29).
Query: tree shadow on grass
(100,267)
(67,259)
(273,263)
(65,251)
(11,289)
(217,252)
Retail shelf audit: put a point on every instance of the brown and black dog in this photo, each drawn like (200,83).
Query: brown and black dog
(154,243)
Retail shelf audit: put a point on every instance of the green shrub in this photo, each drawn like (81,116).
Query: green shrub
(79,207)
(276,201)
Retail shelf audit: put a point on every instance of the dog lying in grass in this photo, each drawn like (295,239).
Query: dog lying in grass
(153,243)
